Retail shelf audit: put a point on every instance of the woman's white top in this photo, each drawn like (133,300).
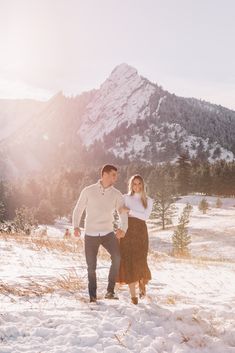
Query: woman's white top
(134,203)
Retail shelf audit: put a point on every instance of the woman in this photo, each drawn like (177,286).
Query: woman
(134,246)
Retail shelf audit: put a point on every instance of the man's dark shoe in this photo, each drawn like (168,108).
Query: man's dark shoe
(93,299)
(111,295)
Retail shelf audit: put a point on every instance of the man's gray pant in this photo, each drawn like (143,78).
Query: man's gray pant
(110,243)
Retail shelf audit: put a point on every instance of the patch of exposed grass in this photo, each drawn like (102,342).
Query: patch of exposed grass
(157,256)
(37,242)
(70,283)
(204,261)
(195,260)
(171,300)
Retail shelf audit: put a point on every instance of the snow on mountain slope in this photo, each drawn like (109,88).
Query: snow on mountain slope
(137,144)
(134,148)
(124,96)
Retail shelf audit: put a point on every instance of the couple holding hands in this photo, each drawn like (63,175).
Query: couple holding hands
(128,245)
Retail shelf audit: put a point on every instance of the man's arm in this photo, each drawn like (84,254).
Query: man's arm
(123,217)
(78,211)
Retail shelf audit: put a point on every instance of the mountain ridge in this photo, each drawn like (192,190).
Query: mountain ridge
(128,118)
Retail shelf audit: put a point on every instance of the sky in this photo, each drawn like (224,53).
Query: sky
(186,46)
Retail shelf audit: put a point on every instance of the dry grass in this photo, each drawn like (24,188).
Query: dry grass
(195,260)
(171,300)
(185,339)
(121,336)
(103,254)
(37,242)
(65,284)
(61,245)
(33,289)
(203,261)
(71,282)
(157,256)
(209,260)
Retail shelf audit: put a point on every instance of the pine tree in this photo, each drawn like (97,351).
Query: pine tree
(24,220)
(163,209)
(206,180)
(203,206)
(2,211)
(45,213)
(218,203)
(162,190)
(2,201)
(57,198)
(180,238)
(32,193)
(183,178)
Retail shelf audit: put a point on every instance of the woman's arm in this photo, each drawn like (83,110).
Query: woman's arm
(144,215)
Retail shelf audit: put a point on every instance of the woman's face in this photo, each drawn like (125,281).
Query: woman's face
(137,185)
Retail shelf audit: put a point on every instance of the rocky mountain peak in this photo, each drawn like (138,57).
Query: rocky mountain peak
(122,72)
(123,97)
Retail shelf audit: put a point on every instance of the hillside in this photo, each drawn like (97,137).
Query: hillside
(127,119)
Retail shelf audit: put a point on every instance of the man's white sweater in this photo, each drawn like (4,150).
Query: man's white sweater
(99,203)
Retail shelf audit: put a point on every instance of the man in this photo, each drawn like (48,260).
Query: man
(100,200)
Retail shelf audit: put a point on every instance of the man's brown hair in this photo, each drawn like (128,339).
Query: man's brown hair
(107,169)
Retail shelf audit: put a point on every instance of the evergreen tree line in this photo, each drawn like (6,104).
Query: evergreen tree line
(52,196)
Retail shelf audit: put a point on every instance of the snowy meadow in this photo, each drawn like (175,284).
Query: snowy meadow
(189,307)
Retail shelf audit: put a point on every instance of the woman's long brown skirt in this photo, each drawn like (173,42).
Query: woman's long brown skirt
(134,251)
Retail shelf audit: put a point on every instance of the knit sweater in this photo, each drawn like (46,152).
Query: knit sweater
(137,210)
(99,203)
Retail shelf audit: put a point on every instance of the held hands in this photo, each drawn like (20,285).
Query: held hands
(120,233)
(77,232)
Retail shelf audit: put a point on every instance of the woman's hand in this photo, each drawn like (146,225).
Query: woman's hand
(120,233)
(124,209)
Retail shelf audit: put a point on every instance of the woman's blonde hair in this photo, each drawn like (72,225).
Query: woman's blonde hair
(142,193)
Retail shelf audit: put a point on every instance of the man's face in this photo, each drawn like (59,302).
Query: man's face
(110,178)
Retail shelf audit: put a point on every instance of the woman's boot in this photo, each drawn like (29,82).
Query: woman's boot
(134,300)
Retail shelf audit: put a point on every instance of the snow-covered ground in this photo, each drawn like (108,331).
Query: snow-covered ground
(189,308)
(213,233)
